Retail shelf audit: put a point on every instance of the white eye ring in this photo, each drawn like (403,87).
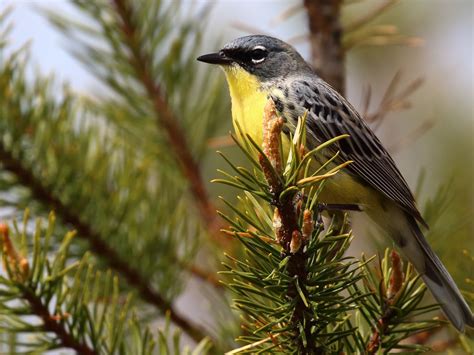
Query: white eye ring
(262,48)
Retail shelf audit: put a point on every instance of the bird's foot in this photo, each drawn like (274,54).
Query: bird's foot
(336,210)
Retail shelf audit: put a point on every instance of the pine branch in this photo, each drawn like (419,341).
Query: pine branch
(48,161)
(289,287)
(129,62)
(78,307)
(289,234)
(166,119)
(18,269)
(327,52)
(96,242)
(292,287)
(384,321)
(394,297)
(51,325)
(394,99)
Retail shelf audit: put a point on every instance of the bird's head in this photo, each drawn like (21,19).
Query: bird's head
(264,57)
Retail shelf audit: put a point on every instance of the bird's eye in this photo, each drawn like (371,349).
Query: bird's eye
(258,54)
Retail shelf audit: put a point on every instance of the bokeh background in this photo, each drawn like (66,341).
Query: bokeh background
(442,150)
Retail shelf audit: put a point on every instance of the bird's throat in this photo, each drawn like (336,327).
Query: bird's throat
(248,101)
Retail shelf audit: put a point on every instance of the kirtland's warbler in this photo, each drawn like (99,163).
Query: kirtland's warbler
(258,68)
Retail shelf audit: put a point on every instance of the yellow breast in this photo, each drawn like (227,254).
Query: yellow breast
(248,101)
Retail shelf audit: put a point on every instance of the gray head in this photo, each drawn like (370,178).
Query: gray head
(263,56)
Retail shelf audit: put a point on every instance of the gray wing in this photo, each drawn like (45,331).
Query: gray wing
(330,115)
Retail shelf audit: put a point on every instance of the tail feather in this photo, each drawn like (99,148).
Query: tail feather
(437,279)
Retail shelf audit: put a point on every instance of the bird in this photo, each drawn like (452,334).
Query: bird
(259,68)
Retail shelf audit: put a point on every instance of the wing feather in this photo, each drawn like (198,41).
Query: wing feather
(330,115)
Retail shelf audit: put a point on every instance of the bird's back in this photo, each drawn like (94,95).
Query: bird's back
(330,115)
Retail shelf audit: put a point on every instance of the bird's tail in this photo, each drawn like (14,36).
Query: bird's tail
(404,230)
(437,279)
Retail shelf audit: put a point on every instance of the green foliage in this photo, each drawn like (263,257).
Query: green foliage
(392,306)
(69,161)
(296,300)
(159,44)
(78,306)
(60,152)
(265,294)
(111,167)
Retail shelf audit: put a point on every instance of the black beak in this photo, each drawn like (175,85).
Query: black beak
(215,58)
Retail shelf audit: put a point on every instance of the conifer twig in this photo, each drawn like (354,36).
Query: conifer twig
(297,289)
(166,118)
(394,99)
(288,232)
(395,284)
(271,165)
(51,323)
(96,242)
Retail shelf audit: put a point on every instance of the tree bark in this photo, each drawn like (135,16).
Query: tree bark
(327,54)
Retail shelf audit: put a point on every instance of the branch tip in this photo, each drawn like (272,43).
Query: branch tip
(396,276)
(272,127)
(296,241)
(17,264)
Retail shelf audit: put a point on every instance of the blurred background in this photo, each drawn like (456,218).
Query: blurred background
(430,134)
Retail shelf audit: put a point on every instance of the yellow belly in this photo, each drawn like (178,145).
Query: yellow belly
(248,102)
